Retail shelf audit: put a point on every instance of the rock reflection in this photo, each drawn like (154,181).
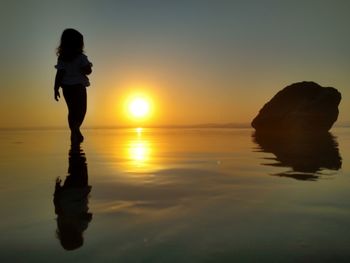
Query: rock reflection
(71,201)
(308,154)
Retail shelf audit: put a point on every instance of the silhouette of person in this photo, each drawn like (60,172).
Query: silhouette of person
(71,201)
(72,70)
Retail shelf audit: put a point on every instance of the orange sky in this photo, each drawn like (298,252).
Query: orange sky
(198,63)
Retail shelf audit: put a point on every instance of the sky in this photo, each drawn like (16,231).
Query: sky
(196,61)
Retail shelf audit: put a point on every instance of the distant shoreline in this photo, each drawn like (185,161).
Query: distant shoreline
(189,126)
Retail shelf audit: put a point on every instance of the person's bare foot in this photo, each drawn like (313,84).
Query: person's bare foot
(80,137)
(76,137)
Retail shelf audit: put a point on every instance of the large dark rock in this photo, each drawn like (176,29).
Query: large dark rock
(302,106)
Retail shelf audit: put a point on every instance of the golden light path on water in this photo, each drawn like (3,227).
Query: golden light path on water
(139,150)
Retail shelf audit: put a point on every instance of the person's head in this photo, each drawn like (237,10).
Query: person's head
(72,44)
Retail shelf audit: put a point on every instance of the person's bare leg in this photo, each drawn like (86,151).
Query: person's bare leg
(75,97)
(81,111)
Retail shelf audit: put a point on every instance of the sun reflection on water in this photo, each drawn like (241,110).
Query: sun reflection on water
(139,151)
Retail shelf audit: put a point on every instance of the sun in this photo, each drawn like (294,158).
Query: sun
(139,107)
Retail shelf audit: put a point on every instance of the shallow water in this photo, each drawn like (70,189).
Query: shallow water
(174,195)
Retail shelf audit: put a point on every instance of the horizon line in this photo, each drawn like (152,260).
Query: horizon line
(170,126)
(165,126)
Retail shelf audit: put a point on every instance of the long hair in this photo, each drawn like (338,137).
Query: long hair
(71,45)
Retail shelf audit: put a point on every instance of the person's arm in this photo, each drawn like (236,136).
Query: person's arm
(87,69)
(58,81)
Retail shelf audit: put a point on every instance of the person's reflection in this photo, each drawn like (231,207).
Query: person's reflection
(306,153)
(71,201)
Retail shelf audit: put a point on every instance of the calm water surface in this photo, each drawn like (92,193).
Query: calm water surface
(174,195)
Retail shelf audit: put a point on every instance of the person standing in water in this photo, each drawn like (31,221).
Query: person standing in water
(73,67)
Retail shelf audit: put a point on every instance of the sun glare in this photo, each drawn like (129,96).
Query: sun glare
(139,107)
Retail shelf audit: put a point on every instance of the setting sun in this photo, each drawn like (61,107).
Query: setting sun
(139,107)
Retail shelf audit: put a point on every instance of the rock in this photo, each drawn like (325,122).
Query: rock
(302,106)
